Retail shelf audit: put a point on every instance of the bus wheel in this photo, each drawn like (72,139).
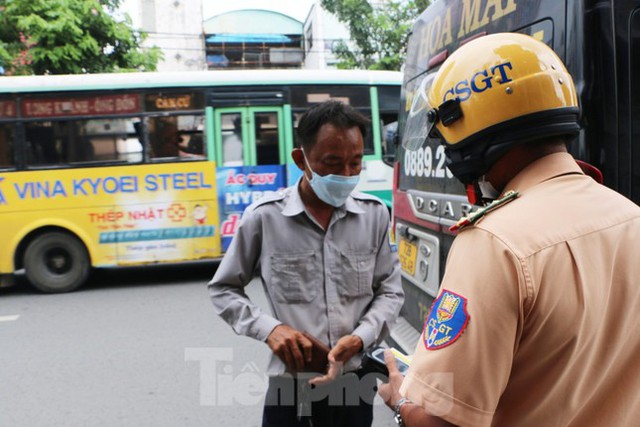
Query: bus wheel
(56,262)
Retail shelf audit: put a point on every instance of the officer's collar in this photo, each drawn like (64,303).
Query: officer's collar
(544,169)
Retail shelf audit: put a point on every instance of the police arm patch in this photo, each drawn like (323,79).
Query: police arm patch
(446,322)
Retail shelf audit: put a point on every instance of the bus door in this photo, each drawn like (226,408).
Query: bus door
(252,147)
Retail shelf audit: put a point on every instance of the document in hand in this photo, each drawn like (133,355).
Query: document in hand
(319,353)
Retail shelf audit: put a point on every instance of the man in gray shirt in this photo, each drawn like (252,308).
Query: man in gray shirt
(323,255)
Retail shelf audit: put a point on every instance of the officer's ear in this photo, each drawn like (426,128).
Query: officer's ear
(298,158)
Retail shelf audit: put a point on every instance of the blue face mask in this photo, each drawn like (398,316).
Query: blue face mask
(331,189)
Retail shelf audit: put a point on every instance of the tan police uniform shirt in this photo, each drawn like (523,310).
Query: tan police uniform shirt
(342,281)
(543,297)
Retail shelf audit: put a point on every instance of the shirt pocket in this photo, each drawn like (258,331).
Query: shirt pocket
(294,277)
(357,273)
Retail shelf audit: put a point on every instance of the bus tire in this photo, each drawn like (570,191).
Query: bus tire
(56,262)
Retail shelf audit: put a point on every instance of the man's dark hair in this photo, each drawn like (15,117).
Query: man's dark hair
(337,113)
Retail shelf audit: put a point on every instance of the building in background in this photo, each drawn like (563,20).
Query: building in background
(175,26)
(253,38)
(322,33)
(244,38)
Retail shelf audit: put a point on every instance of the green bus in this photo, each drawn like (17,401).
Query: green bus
(135,168)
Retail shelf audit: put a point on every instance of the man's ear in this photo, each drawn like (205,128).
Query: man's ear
(298,158)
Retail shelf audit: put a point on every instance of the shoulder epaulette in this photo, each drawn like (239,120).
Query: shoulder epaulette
(475,216)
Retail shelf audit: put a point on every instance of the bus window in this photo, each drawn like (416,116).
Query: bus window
(304,97)
(190,137)
(390,139)
(389,102)
(250,136)
(358,97)
(6,146)
(368,139)
(172,137)
(113,140)
(80,141)
(41,144)
(232,151)
(267,138)
(295,118)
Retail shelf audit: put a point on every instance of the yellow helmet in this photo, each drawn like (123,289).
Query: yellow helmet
(492,93)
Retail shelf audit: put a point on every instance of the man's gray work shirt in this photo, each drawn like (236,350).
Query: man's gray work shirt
(345,281)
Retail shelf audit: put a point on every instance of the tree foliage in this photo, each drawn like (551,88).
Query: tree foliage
(379,33)
(70,37)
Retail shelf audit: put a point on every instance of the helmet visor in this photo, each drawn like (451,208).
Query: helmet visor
(419,122)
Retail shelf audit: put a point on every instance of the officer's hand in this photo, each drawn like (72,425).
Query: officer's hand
(290,346)
(346,347)
(390,392)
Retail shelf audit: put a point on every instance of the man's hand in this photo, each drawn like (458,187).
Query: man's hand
(390,392)
(293,348)
(346,347)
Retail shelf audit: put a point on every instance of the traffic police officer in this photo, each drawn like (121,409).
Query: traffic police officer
(536,320)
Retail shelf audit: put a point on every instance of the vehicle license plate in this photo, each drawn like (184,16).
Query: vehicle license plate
(408,253)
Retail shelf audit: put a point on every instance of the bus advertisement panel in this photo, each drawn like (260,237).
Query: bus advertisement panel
(124,215)
(240,186)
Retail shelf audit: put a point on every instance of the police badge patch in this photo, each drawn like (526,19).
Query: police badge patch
(447,320)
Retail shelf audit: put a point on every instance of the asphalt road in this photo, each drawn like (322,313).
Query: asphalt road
(135,347)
